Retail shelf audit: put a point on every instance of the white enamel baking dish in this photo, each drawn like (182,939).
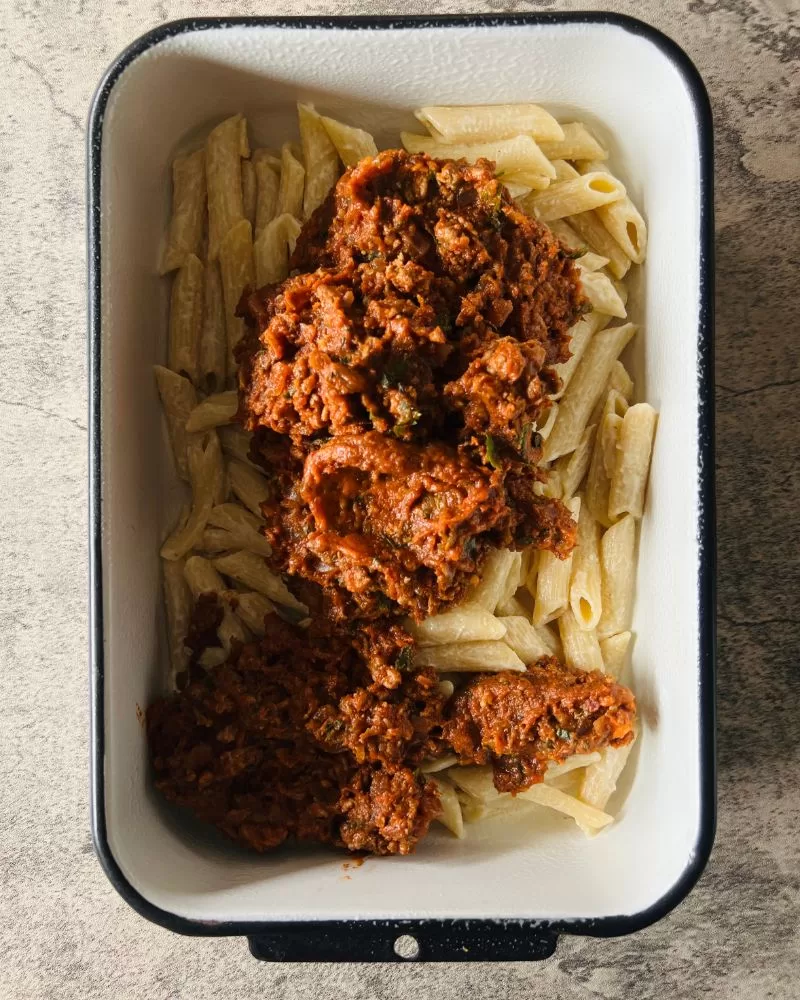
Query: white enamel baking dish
(504,892)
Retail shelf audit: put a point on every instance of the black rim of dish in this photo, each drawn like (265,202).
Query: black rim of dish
(436,939)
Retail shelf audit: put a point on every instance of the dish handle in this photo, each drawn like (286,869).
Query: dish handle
(404,941)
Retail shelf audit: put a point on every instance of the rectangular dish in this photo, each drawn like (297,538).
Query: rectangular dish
(502,894)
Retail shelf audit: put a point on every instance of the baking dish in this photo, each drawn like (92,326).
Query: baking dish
(504,893)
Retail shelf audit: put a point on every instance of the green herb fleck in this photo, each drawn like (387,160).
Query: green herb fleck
(492,456)
(574,254)
(395,373)
(332,728)
(405,659)
(291,615)
(564,734)
(444,321)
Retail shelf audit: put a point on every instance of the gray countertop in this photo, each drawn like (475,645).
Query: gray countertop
(65,932)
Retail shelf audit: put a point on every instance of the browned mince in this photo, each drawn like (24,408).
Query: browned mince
(393,382)
(318,735)
(414,339)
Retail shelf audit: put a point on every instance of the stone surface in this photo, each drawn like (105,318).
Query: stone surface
(65,932)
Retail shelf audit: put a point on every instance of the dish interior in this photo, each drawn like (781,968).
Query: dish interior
(637,101)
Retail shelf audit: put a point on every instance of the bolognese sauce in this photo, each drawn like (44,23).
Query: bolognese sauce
(396,379)
(394,382)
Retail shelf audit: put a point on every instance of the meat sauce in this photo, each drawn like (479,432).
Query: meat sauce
(318,735)
(394,383)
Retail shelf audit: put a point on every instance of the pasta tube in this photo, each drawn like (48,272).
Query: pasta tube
(479,123)
(179,398)
(214,410)
(185,235)
(290,189)
(225,147)
(267,168)
(320,158)
(618,573)
(581,648)
(585,583)
(634,447)
(207,477)
(585,389)
(213,347)
(238,273)
(552,580)
(577,143)
(185,317)
(352,144)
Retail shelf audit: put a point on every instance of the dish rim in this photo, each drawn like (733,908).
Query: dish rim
(440,940)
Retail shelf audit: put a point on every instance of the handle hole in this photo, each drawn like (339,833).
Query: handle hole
(406,947)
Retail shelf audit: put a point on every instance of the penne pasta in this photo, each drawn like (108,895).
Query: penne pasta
(572,468)
(466,623)
(251,570)
(584,814)
(594,262)
(248,485)
(552,580)
(273,248)
(551,639)
(564,171)
(602,294)
(614,650)
(207,478)
(620,381)
(290,189)
(634,447)
(243,527)
(213,347)
(524,639)
(457,657)
(618,574)
(202,578)
(585,389)
(580,335)
(185,236)
(555,771)
(267,169)
(178,606)
(216,540)
(179,398)
(185,318)
(438,764)
(519,153)
(225,147)
(496,569)
(482,122)
(580,645)
(320,157)
(249,191)
(577,143)
(600,780)
(513,607)
(214,410)
(253,608)
(585,583)
(238,273)
(625,224)
(520,182)
(352,144)
(236,442)
(573,196)
(547,426)
(450,815)
(601,468)
(597,238)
